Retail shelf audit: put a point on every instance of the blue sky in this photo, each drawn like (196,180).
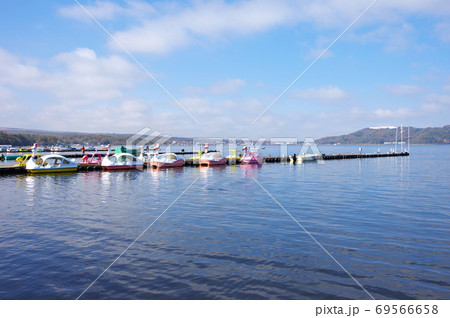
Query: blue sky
(224,63)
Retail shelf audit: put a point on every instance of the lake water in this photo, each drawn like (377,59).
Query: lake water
(385,220)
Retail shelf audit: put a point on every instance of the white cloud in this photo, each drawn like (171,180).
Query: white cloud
(344,117)
(348,120)
(13,115)
(225,87)
(87,78)
(328,93)
(86,92)
(418,7)
(101,10)
(212,20)
(165,27)
(394,37)
(219,116)
(208,109)
(203,20)
(399,113)
(5,94)
(106,10)
(193,90)
(159,38)
(80,76)
(201,107)
(442,31)
(315,52)
(432,108)
(403,89)
(15,73)
(76,89)
(102,84)
(437,103)
(442,99)
(108,117)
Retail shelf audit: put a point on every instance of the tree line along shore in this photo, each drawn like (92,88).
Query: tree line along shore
(432,135)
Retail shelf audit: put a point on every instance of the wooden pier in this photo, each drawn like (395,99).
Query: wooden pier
(364,155)
(4,170)
(11,170)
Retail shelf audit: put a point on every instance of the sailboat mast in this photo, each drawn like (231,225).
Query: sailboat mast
(408,139)
(396,132)
(401,137)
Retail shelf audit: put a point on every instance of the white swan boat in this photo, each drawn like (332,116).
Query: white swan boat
(147,156)
(49,163)
(121,161)
(212,159)
(301,158)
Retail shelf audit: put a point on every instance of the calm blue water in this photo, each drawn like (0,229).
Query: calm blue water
(385,220)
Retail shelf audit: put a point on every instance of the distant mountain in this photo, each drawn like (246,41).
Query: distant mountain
(52,132)
(26,137)
(374,135)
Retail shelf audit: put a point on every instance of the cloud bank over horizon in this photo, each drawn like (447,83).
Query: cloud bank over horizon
(224,62)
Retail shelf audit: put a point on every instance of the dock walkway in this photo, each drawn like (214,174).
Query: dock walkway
(4,170)
(364,155)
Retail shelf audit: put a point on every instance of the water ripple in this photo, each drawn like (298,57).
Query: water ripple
(385,220)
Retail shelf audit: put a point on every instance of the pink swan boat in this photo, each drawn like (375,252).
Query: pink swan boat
(251,157)
(93,159)
(166,160)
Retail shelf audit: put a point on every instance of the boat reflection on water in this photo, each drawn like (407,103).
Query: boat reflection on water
(208,172)
(31,187)
(251,170)
(159,174)
(173,171)
(216,168)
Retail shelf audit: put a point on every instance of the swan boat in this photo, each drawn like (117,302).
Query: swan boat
(121,161)
(251,157)
(92,159)
(147,155)
(212,159)
(166,160)
(235,156)
(301,158)
(49,163)
(22,161)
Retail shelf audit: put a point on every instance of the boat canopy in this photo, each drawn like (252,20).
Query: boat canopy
(212,156)
(123,149)
(54,161)
(171,156)
(123,158)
